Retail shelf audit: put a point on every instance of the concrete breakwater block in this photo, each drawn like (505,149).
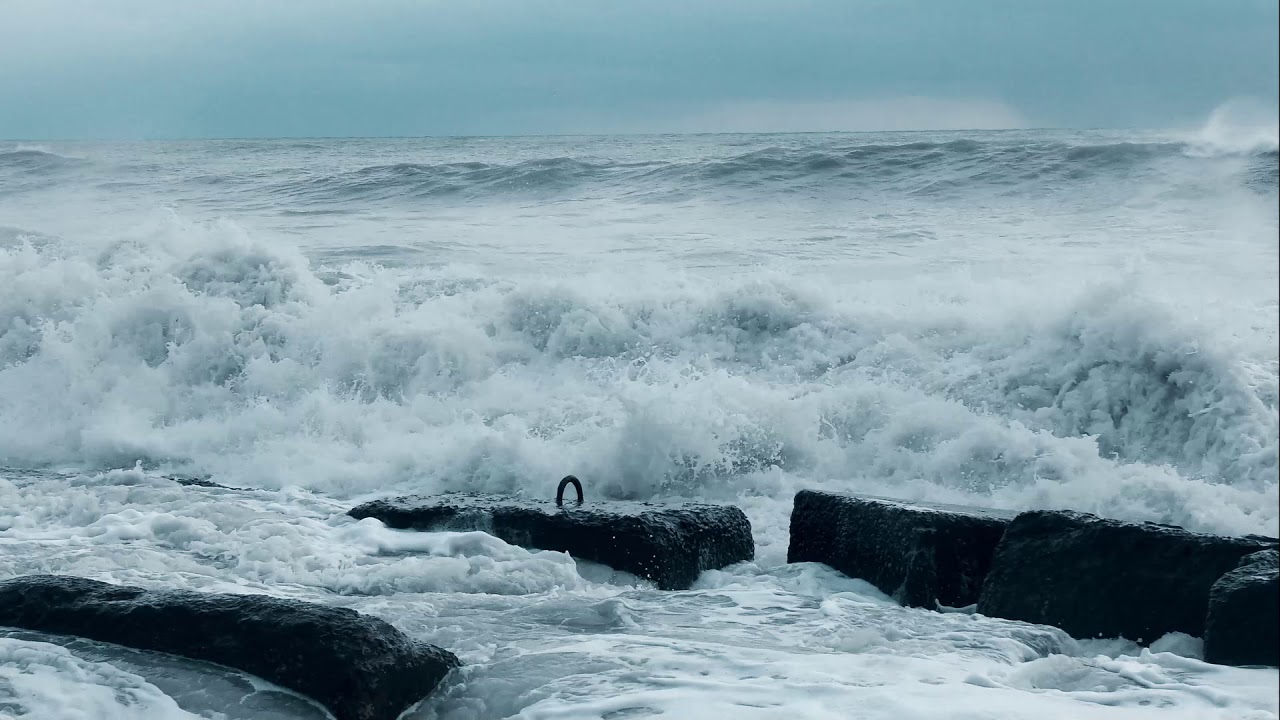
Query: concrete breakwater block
(924,555)
(1095,577)
(669,544)
(357,666)
(1243,625)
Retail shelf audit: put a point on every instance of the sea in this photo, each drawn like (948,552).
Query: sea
(1014,319)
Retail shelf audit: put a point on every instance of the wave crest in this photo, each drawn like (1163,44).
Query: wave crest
(36,159)
(207,351)
(950,168)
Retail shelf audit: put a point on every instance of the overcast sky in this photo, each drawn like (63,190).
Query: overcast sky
(270,68)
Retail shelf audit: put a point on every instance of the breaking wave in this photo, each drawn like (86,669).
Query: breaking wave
(199,349)
(35,159)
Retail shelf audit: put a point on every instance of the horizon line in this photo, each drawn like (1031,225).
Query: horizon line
(195,138)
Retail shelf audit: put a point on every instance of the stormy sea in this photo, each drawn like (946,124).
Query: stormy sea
(1015,320)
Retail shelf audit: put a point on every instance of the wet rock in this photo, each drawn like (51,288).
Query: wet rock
(670,544)
(1243,624)
(202,482)
(357,666)
(924,555)
(1095,577)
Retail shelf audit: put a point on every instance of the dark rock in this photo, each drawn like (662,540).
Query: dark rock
(357,666)
(1105,578)
(1243,624)
(202,482)
(668,544)
(924,555)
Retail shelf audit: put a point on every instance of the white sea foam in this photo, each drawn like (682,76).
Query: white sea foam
(199,349)
(1243,125)
(41,680)
(51,677)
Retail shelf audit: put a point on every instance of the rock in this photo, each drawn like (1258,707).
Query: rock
(357,666)
(1105,578)
(203,482)
(1244,613)
(668,544)
(924,555)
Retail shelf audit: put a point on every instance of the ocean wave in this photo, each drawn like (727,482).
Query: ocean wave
(27,168)
(35,159)
(422,180)
(985,166)
(206,351)
(921,168)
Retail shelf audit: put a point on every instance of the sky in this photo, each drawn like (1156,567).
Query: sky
(286,68)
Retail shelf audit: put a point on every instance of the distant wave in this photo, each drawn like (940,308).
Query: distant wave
(944,169)
(923,168)
(36,159)
(424,180)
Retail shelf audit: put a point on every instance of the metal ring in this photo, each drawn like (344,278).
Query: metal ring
(567,481)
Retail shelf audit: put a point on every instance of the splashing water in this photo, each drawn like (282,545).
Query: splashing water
(1020,319)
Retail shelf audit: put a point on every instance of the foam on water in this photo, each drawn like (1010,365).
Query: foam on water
(1013,320)
(197,349)
(762,639)
(38,679)
(54,677)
